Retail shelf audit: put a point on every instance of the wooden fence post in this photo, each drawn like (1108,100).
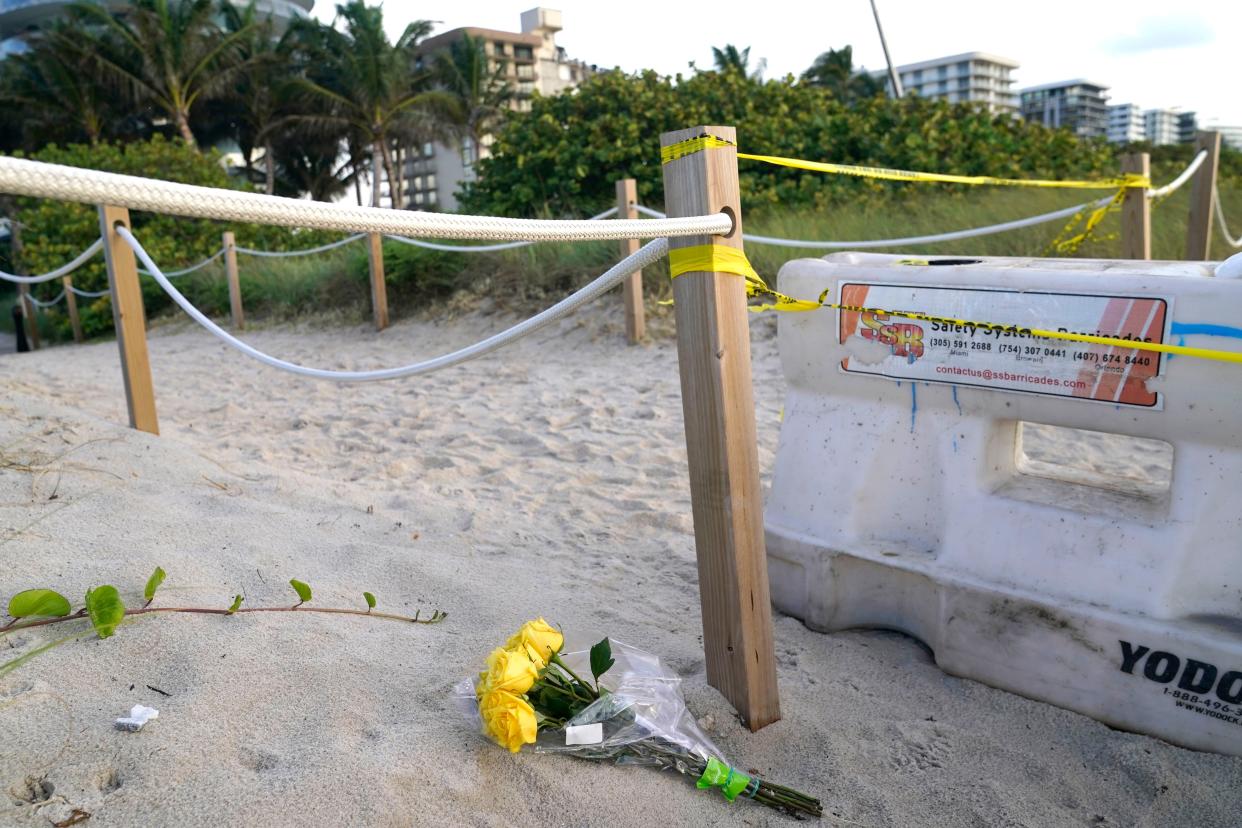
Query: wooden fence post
(1199,226)
(130,320)
(29,319)
(632,287)
(30,325)
(1136,210)
(230,270)
(71,301)
(379,290)
(713,352)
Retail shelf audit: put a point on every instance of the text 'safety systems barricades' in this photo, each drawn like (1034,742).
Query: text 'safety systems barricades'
(903,499)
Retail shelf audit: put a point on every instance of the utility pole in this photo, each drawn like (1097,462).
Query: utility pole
(893,78)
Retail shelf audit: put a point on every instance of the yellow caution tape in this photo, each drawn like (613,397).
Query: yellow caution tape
(1202,353)
(705,142)
(690,146)
(712,258)
(1128,180)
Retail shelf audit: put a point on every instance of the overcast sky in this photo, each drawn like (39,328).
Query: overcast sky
(1154,53)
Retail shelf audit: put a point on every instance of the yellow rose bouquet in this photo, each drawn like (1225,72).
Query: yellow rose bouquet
(630,710)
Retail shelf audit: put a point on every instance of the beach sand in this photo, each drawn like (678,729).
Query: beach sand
(549,479)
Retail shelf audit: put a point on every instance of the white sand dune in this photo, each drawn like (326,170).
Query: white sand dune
(548,479)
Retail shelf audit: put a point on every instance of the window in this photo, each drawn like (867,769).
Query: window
(418,198)
(942,72)
(500,48)
(429,150)
(523,53)
(431,182)
(431,197)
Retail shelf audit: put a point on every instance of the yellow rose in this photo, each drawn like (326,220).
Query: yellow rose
(509,719)
(510,670)
(539,639)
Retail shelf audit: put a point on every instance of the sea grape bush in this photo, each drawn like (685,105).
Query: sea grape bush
(564,156)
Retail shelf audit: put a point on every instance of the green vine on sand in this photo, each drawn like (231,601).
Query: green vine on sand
(106,610)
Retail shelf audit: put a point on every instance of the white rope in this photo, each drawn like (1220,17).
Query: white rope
(310,251)
(482,248)
(939,237)
(1220,219)
(646,255)
(47,304)
(63,270)
(89,294)
(950,236)
(20,176)
(173,274)
(1171,187)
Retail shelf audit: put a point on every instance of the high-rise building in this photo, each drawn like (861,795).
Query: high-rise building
(1125,124)
(1078,105)
(1162,127)
(1187,127)
(1230,136)
(531,61)
(972,77)
(20,17)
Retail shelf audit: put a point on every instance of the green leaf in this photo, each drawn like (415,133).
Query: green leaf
(302,589)
(237,602)
(370,600)
(601,659)
(104,606)
(153,583)
(41,602)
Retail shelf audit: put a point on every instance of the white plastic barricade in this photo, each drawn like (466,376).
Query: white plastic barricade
(901,498)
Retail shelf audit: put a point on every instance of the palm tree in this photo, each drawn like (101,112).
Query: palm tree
(58,93)
(364,87)
(169,54)
(732,59)
(834,70)
(481,95)
(255,94)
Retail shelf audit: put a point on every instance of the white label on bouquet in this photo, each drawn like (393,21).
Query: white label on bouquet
(587,734)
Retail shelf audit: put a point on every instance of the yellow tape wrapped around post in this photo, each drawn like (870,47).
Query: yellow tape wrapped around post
(713,354)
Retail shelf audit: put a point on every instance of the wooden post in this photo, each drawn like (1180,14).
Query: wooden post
(1136,210)
(713,352)
(632,287)
(71,300)
(28,316)
(230,270)
(29,321)
(130,321)
(379,291)
(1199,227)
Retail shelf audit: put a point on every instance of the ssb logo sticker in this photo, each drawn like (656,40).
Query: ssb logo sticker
(904,338)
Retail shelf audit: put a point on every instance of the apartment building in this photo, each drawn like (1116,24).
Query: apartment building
(531,61)
(1078,105)
(1162,127)
(1230,136)
(20,17)
(1126,124)
(1187,127)
(971,77)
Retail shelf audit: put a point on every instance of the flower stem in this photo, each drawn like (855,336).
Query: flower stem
(435,617)
(556,659)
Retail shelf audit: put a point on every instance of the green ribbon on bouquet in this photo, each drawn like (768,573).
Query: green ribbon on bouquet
(730,781)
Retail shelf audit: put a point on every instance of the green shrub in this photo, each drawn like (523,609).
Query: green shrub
(564,156)
(53,232)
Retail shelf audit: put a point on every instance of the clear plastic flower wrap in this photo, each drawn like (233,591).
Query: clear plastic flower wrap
(533,693)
